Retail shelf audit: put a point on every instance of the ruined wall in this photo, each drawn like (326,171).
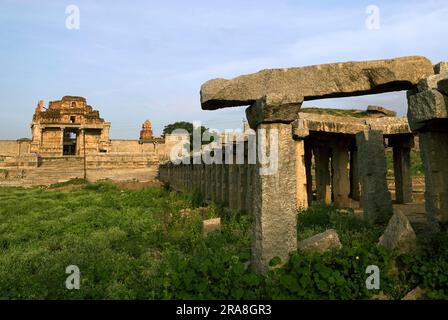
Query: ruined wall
(8,148)
(132,146)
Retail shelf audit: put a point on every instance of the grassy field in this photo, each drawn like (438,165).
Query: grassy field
(143,244)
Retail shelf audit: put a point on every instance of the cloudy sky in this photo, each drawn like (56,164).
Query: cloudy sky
(137,60)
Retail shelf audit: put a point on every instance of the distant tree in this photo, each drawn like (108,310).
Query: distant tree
(188,126)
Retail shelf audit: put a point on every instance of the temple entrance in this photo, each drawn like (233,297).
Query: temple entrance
(70,138)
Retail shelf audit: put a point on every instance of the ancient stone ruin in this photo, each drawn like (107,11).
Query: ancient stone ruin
(354,147)
(71,140)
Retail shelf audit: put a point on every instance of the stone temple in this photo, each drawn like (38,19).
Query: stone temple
(69,127)
(70,140)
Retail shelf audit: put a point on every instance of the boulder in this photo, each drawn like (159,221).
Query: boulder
(425,106)
(321,242)
(432,82)
(210,225)
(295,85)
(442,86)
(399,235)
(416,294)
(441,67)
(380,111)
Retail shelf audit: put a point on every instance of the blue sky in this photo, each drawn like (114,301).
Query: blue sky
(137,60)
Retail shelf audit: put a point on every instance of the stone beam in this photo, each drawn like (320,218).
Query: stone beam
(317,82)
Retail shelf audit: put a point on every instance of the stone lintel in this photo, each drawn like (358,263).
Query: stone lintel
(401,141)
(317,82)
(307,122)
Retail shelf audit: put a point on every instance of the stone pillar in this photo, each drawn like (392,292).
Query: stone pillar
(375,196)
(309,175)
(212,178)
(434,153)
(218,181)
(225,185)
(402,167)
(354,176)
(209,178)
(323,177)
(203,180)
(301,175)
(275,183)
(248,187)
(341,175)
(275,210)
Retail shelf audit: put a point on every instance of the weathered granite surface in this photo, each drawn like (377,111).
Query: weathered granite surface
(316,82)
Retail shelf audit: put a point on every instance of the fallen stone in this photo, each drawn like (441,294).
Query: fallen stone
(316,82)
(399,235)
(443,86)
(425,106)
(210,225)
(416,294)
(321,242)
(441,67)
(380,296)
(381,111)
(271,109)
(432,82)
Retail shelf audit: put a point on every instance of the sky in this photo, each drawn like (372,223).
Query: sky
(138,60)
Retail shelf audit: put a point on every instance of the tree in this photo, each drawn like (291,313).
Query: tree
(188,126)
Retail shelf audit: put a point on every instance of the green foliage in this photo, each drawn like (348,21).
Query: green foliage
(187,126)
(70,182)
(416,163)
(147,244)
(337,112)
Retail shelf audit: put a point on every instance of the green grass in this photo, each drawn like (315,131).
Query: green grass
(337,112)
(136,244)
(416,163)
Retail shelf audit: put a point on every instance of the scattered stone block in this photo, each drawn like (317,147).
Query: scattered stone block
(380,296)
(399,235)
(443,86)
(416,294)
(432,82)
(441,67)
(425,106)
(210,225)
(321,242)
(380,111)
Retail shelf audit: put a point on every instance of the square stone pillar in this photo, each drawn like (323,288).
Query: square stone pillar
(225,185)
(301,175)
(241,186)
(309,175)
(355,193)
(275,208)
(375,196)
(233,186)
(341,175)
(434,153)
(323,176)
(402,174)
(249,187)
(402,145)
